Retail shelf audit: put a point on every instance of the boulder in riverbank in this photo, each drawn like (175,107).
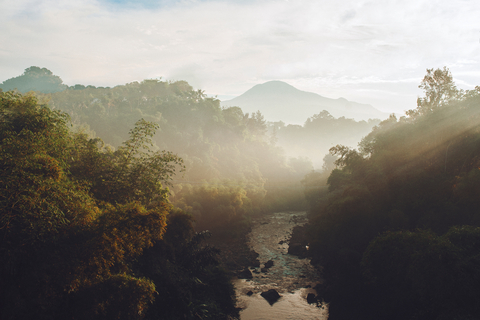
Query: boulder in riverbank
(269,264)
(298,243)
(271,296)
(245,274)
(312,298)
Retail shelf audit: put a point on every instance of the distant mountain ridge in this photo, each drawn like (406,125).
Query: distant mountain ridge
(279,101)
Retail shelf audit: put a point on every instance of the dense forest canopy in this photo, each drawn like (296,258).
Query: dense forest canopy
(397,233)
(107,192)
(88,233)
(35,79)
(88,226)
(226,153)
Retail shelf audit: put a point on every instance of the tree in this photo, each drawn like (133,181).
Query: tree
(188,280)
(35,79)
(439,89)
(421,275)
(412,174)
(132,173)
(63,256)
(256,125)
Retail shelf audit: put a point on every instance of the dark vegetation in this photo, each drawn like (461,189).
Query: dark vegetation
(397,233)
(114,227)
(88,233)
(232,169)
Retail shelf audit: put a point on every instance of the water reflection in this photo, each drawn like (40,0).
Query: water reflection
(292,277)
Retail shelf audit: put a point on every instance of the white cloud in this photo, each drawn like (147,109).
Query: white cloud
(336,48)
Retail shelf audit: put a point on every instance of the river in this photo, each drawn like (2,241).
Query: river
(291,276)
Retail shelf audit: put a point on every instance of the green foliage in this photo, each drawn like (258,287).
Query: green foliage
(37,198)
(215,144)
(35,79)
(119,297)
(143,169)
(216,206)
(416,172)
(132,173)
(439,90)
(226,207)
(67,253)
(189,283)
(426,276)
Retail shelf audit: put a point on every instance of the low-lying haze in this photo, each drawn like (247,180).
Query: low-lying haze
(373,52)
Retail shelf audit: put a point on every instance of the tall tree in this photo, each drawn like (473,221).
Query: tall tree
(439,89)
(62,256)
(35,79)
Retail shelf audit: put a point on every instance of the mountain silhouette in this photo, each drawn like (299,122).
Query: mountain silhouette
(279,101)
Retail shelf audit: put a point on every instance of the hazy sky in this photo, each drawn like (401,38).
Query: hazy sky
(367,51)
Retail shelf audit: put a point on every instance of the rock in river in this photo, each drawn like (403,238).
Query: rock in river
(311,298)
(269,264)
(245,274)
(271,296)
(298,250)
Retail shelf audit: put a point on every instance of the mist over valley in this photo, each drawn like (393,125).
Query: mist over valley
(239,160)
(279,101)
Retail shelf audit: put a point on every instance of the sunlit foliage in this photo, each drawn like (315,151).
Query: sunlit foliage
(77,216)
(215,144)
(216,206)
(416,172)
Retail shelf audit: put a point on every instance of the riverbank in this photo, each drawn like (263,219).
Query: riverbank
(235,253)
(293,277)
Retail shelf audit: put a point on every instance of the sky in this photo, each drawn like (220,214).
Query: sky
(374,52)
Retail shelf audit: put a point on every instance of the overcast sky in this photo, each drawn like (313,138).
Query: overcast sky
(372,52)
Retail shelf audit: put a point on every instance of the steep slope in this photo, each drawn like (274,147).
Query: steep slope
(278,100)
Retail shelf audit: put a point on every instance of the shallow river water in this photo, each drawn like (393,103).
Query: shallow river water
(292,277)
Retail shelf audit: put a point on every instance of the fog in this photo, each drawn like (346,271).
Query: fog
(143,143)
(147,171)
(372,52)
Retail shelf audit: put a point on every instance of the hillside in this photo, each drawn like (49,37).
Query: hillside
(279,101)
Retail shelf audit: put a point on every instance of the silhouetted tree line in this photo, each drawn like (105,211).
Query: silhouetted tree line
(397,233)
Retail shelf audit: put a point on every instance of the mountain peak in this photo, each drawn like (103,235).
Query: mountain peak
(272,87)
(280,101)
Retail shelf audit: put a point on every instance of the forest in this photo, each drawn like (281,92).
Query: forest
(102,221)
(84,228)
(397,232)
(111,199)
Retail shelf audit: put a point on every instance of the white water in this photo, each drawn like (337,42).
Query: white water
(290,276)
